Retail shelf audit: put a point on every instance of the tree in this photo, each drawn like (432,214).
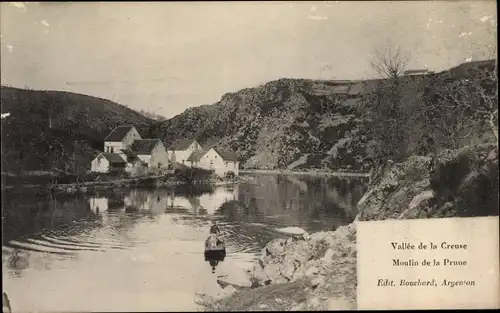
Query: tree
(460,108)
(390,61)
(387,114)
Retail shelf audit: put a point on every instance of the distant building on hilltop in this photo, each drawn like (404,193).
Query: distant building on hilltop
(417,72)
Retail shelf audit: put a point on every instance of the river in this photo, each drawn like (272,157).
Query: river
(142,250)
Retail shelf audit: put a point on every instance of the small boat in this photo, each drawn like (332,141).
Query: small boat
(215,249)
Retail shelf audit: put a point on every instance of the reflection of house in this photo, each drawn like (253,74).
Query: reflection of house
(180,151)
(207,203)
(180,202)
(221,161)
(98,204)
(213,201)
(124,145)
(146,200)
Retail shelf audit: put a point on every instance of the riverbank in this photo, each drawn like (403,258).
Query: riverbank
(305,272)
(160,181)
(308,172)
(318,272)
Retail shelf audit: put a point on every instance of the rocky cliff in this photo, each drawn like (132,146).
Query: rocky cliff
(287,123)
(302,124)
(453,183)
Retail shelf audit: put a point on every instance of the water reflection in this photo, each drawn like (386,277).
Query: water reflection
(314,203)
(156,235)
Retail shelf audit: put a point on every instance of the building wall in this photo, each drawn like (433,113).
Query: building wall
(99,164)
(144,158)
(126,142)
(159,156)
(113,146)
(131,136)
(182,155)
(213,161)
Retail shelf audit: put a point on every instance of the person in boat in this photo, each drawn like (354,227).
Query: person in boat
(214,229)
(212,241)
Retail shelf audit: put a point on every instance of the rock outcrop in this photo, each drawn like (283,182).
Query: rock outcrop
(462,182)
(324,263)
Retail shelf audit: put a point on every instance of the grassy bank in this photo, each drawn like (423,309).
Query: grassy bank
(42,182)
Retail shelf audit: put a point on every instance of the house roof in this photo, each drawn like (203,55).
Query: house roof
(181,145)
(196,155)
(226,155)
(144,146)
(118,133)
(114,158)
(129,153)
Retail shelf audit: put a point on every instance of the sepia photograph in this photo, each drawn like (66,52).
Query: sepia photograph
(249,156)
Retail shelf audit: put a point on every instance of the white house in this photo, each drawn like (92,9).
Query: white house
(105,162)
(124,149)
(152,152)
(221,161)
(180,151)
(120,138)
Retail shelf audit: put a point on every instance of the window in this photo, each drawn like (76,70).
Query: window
(112,150)
(159,165)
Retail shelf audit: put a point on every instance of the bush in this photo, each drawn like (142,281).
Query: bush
(468,183)
(230,175)
(189,174)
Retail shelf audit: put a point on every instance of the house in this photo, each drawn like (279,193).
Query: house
(221,161)
(195,157)
(125,149)
(152,153)
(120,138)
(179,152)
(107,162)
(135,166)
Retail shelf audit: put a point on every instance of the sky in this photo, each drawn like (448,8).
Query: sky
(164,57)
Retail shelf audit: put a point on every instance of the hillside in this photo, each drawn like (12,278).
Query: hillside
(298,123)
(288,123)
(55,129)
